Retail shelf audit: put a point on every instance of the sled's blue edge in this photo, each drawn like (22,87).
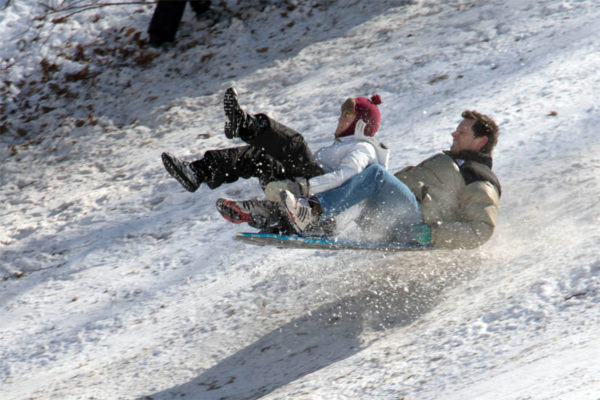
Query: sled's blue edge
(271,238)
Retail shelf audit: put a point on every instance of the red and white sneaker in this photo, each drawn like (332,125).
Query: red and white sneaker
(256,213)
(299,211)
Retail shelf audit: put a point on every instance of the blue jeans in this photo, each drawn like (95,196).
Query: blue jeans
(391,208)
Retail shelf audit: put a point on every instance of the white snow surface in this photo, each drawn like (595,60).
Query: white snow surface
(116,283)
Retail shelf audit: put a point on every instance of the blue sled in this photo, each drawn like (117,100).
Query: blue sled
(295,241)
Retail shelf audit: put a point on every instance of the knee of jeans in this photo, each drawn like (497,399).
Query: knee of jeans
(374,169)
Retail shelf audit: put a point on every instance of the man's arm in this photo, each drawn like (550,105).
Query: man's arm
(478,211)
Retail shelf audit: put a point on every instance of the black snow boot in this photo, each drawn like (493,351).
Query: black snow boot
(239,123)
(181,170)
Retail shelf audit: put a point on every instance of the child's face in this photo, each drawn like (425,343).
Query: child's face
(344,121)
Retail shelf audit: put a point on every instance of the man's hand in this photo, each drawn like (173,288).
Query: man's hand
(298,186)
(421,234)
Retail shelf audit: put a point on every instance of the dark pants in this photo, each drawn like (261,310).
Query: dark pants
(167,16)
(274,152)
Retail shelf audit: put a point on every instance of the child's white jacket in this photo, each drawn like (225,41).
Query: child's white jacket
(346,157)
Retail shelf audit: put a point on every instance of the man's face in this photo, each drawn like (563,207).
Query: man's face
(344,121)
(464,139)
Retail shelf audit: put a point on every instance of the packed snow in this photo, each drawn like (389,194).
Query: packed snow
(116,283)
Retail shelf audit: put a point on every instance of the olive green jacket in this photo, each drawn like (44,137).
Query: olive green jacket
(460,214)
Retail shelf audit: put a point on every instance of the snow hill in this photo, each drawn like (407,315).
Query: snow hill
(118,284)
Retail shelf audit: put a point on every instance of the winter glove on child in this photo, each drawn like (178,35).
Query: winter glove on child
(298,186)
(359,128)
(421,234)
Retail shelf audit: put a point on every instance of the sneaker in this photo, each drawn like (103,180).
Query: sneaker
(234,113)
(256,213)
(182,171)
(299,211)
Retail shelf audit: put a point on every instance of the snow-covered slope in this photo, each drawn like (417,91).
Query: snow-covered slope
(116,283)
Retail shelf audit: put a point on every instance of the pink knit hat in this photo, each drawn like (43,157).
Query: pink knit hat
(367,110)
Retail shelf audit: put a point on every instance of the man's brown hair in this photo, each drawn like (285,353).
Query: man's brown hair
(483,126)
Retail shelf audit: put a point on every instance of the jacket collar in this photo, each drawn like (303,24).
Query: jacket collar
(482,158)
(351,134)
(350,138)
